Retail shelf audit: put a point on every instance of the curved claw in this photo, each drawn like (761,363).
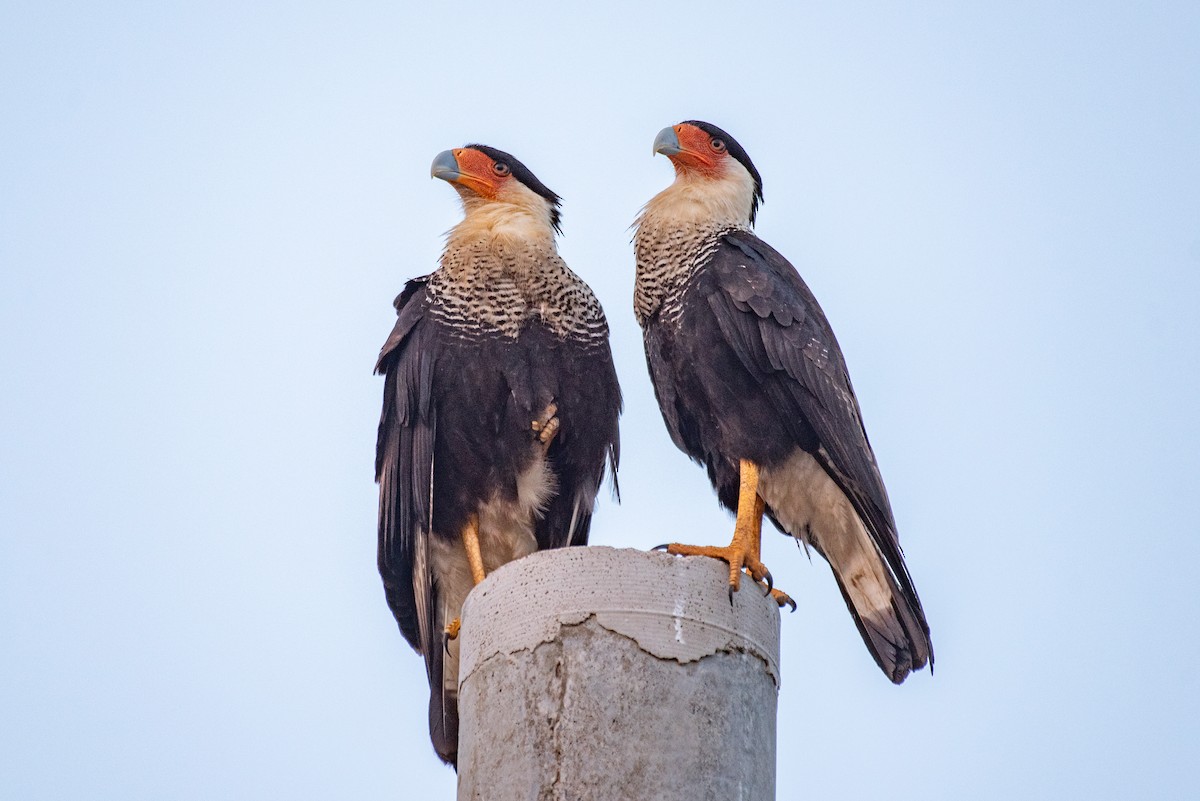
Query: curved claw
(770,583)
(662,547)
(783,599)
(731,595)
(450,633)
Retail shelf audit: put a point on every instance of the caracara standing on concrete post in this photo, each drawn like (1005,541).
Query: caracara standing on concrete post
(752,385)
(499,412)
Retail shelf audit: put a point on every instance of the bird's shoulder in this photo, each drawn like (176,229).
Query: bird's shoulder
(768,314)
(411,288)
(759,279)
(410,307)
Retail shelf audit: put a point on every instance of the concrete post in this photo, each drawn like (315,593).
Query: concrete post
(595,674)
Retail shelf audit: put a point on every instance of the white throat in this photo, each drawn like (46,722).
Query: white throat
(518,215)
(694,199)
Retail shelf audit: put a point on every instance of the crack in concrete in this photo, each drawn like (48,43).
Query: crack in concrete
(560,671)
(585,618)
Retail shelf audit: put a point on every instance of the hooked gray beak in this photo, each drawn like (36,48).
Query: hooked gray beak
(667,142)
(445,166)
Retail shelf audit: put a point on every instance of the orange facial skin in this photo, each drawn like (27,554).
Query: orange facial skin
(479,173)
(696,152)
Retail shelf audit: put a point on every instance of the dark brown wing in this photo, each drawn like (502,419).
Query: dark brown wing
(776,326)
(404,466)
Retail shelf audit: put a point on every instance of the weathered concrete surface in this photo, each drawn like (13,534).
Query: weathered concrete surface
(594,674)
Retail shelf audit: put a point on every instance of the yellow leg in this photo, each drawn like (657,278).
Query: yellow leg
(745,549)
(756,515)
(747,530)
(470,538)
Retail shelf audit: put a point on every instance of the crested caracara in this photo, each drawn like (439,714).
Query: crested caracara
(499,415)
(752,384)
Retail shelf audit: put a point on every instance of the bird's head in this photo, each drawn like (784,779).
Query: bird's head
(712,161)
(489,178)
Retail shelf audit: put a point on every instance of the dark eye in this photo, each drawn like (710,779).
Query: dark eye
(717,145)
(500,168)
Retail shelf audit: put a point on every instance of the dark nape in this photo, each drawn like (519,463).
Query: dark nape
(525,176)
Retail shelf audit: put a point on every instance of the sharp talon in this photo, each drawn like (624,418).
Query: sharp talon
(451,632)
(782,598)
(770,583)
(662,547)
(731,595)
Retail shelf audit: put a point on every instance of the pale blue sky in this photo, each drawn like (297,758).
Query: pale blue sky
(206,209)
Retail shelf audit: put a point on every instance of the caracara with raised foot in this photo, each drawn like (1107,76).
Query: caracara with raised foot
(752,385)
(499,412)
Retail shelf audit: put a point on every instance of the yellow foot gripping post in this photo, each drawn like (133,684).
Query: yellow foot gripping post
(743,551)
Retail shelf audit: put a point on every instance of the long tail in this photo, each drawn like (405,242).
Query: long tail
(443,711)
(441,657)
(888,616)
